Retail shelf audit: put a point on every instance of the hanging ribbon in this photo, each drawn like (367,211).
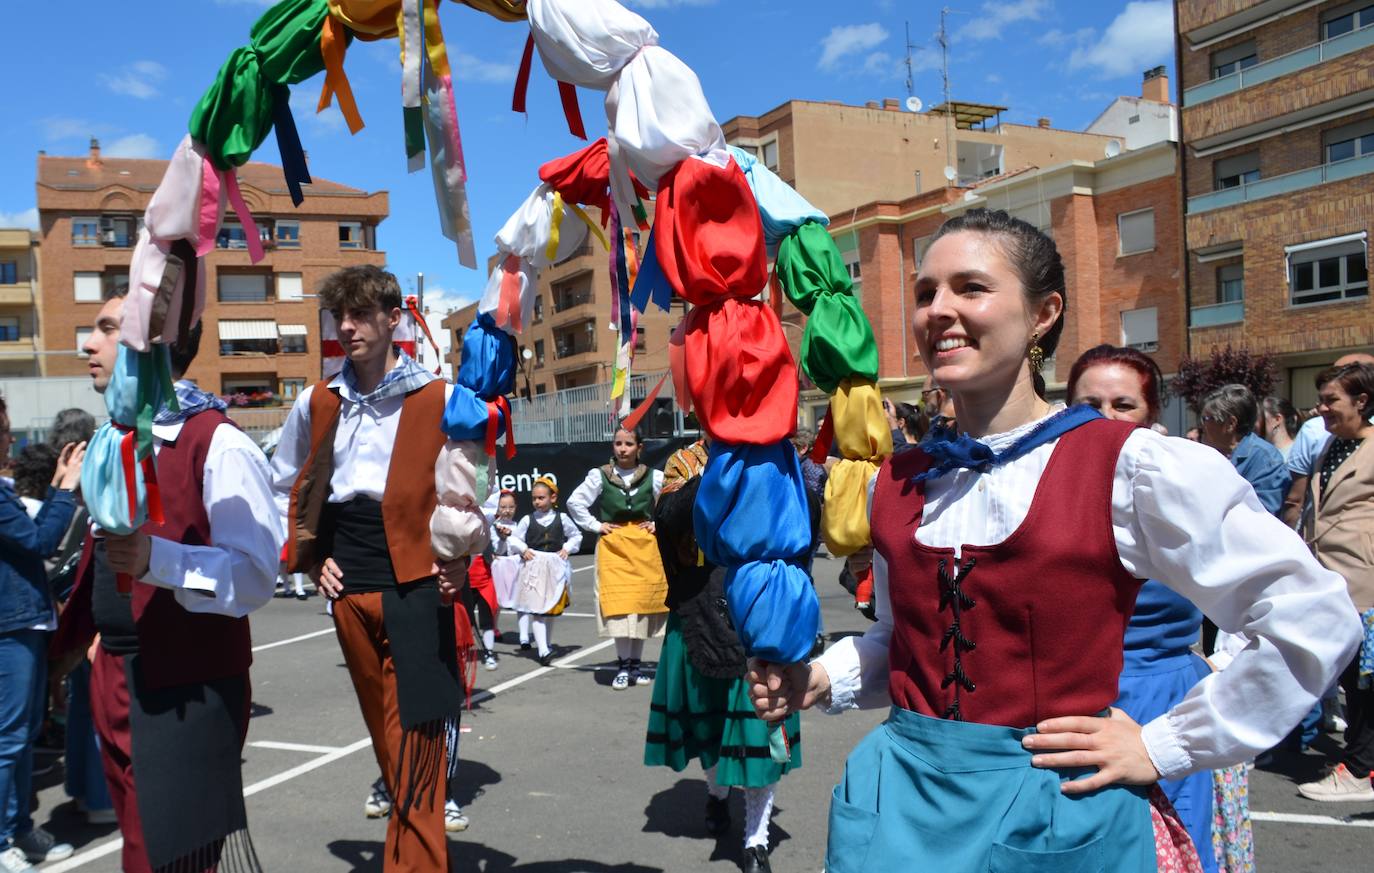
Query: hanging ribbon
(591,225)
(413,306)
(522,78)
(412,43)
(333,44)
(651,284)
(495,409)
(821,449)
(555,222)
(209,208)
(571,111)
(677,365)
(508,310)
(293,166)
(634,418)
(250,228)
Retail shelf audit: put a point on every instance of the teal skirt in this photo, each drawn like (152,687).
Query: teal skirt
(696,717)
(922,793)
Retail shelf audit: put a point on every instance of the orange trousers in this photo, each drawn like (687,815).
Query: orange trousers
(415,841)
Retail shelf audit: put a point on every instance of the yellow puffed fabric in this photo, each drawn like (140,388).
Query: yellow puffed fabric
(844,519)
(368,19)
(861,430)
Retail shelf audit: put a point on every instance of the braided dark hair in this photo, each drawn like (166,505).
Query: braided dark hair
(1032,254)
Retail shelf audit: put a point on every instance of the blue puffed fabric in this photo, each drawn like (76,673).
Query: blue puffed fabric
(466,415)
(922,793)
(775,610)
(103,485)
(487,365)
(138,378)
(751,505)
(782,209)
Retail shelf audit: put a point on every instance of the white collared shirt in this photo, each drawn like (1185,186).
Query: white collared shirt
(572,537)
(585,495)
(237,572)
(1182,515)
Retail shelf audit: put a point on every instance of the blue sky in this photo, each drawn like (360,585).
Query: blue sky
(130,74)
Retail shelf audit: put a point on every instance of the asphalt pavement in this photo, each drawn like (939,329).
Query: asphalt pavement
(552,775)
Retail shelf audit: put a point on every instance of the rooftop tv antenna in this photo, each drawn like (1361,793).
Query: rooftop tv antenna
(949,108)
(910,82)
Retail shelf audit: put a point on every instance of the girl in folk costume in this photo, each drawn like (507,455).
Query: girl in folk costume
(544,539)
(1006,564)
(617,502)
(701,708)
(480,598)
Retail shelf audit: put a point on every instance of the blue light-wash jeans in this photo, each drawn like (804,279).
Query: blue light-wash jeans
(24,666)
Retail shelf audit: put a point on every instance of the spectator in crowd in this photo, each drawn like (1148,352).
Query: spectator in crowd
(912,424)
(1307,445)
(28,618)
(1339,530)
(1278,424)
(813,474)
(1229,414)
(33,471)
(936,402)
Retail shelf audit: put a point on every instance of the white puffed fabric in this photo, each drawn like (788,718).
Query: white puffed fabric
(458,526)
(174,210)
(586,42)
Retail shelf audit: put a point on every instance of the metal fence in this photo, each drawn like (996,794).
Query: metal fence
(587,414)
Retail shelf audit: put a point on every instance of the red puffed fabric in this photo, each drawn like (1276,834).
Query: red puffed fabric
(585,177)
(740,372)
(708,234)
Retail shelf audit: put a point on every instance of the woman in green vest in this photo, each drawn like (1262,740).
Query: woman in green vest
(617,501)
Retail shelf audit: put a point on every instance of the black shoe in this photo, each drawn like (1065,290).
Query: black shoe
(525,647)
(546,658)
(717,815)
(756,860)
(302,596)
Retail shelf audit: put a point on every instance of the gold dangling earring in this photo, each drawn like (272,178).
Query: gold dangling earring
(1035,354)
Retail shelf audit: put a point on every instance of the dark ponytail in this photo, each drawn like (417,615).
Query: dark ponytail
(1033,255)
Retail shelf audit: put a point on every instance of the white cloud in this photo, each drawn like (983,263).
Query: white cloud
(470,68)
(303,102)
(444,300)
(1057,38)
(139,80)
(58,127)
(27,218)
(849,39)
(135,145)
(667,4)
(993,18)
(1141,36)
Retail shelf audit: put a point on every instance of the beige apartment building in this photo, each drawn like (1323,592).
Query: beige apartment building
(19,325)
(1277,130)
(262,342)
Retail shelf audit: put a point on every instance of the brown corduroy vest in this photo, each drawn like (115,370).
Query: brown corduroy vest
(408,500)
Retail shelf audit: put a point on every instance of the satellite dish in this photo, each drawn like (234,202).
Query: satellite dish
(1113,148)
(950,174)
(913,104)
(526,353)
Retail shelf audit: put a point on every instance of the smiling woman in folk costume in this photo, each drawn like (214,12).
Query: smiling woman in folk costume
(1007,561)
(617,501)
(544,539)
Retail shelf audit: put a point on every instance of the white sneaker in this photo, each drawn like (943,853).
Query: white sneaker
(12,860)
(490,661)
(1339,785)
(39,846)
(378,803)
(454,820)
(621,680)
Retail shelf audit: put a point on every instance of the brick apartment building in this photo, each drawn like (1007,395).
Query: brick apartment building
(261,331)
(1277,127)
(19,328)
(570,338)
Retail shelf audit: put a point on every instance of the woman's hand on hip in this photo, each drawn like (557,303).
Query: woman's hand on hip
(1112,744)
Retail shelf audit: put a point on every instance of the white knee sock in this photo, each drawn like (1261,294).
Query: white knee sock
(623,647)
(758,810)
(713,788)
(524,624)
(636,649)
(489,639)
(541,636)
(299,579)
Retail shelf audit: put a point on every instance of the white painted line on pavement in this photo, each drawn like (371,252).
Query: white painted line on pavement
(319,633)
(588,567)
(82,858)
(1297,818)
(295,747)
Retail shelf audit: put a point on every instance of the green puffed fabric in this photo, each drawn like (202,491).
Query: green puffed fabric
(235,114)
(838,342)
(697,717)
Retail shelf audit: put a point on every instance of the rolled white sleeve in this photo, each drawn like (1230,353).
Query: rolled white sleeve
(515,543)
(572,536)
(858,666)
(1182,515)
(584,495)
(237,572)
(292,450)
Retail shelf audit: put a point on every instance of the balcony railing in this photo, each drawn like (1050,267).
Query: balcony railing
(1288,182)
(566,301)
(1280,66)
(569,348)
(1221,313)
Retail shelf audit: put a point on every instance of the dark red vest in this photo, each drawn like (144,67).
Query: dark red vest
(176,646)
(1027,629)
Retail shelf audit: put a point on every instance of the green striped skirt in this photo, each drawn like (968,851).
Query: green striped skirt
(692,716)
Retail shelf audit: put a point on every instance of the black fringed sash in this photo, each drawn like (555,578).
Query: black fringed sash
(429,694)
(186,744)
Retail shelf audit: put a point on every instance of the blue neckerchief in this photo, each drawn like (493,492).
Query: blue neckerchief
(955,451)
(405,377)
(192,400)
